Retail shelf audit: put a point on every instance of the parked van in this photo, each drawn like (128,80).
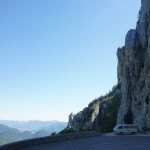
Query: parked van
(121,129)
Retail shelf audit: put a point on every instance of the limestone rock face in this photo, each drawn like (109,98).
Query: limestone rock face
(145,9)
(84,120)
(134,71)
(71,117)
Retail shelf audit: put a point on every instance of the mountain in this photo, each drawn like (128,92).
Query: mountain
(129,100)
(11,131)
(4,128)
(35,126)
(41,133)
(53,127)
(3,140)
(9,135)
(27,135)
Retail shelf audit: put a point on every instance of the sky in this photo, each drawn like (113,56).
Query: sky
(57,56)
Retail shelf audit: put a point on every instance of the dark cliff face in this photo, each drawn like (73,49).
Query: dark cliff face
(134,72)
(129,101)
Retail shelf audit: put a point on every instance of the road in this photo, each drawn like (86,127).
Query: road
(99,143)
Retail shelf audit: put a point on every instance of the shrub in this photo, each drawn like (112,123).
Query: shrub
(109,119)
(66,131)
(53,133)
(128,117)
(145,129)
(142,84)
(140,58)
(139,103)
(147,100)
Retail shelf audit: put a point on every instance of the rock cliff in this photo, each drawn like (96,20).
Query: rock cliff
(134,72)
(129,101)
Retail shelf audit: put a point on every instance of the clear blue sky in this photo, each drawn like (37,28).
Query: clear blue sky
(56,56)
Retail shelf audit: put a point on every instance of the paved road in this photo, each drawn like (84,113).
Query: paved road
(99,143)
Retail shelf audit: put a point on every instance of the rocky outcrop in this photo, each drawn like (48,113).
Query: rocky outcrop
(134,72)
(90,118)
(84,120)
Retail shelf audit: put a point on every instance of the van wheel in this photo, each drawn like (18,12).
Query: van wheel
(133,133)
(121,133)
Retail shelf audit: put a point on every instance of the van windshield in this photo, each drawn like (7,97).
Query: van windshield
(120,127)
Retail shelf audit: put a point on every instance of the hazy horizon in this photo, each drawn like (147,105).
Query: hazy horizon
(58,56)
(34,120)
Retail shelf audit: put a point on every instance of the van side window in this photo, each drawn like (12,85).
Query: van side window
(126,127)
(120,127)
(132,127)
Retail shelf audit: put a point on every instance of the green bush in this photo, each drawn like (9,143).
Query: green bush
(53,133)
(145,129)
(66,131)
(109,119)
(142,84)
(147,100)
(140,58)
(139,103)
(128,117)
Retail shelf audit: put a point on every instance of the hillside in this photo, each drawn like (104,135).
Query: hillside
(100,115)
(8,135)
(11,131)
(129,100)
(3,140)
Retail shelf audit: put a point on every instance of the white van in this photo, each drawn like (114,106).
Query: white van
(121,129)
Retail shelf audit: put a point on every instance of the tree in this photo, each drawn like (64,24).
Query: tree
(128,117)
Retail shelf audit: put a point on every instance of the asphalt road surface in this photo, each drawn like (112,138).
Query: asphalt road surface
(99,143)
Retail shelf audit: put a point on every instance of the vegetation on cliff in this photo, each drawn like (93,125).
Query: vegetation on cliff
(100,115)
(109,117)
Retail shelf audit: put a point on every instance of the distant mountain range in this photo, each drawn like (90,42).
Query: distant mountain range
(35,126)
(11,131)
